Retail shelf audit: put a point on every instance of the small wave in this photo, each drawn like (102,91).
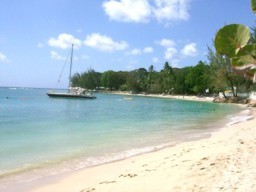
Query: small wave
(127,154)
(240,117)
(109,158)
(30,173)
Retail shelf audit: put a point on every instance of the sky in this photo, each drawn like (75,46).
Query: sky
(119,35)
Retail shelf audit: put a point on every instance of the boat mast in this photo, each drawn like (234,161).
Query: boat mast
(70,70)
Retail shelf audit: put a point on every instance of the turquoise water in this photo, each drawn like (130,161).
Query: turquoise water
(41,136)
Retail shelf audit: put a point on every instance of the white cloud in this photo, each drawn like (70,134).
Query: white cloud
(166,43)
(104,43)
(128,10)
(135,52)
(148,50)
(64,41)
(155,60)
(190,50)
(170,53)
(143,10)
(171,10)
(174,53)
(3,58)
(56,56)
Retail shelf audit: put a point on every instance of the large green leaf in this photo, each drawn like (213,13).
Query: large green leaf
(245,58)
(231,38)
(243,62)
(249,49)
(253,5)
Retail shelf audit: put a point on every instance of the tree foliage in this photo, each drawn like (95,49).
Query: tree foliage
(113,80)
(220,71)
(167,79)
(216,76)
(188,80)
(198,78)
(89,79)
(236,42)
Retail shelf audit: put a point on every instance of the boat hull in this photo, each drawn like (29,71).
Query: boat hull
(70,96)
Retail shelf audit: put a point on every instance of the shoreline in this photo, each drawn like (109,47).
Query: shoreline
(224,161)
(180,97)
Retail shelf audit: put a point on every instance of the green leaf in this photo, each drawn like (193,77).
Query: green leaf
(253,5)
(243,62)
(245,58)
(248,50)
(231,38)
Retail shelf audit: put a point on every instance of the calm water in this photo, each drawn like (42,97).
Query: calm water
(40,136)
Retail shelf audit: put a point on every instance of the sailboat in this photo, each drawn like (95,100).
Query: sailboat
(73,92)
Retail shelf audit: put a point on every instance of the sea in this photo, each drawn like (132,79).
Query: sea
(42,136)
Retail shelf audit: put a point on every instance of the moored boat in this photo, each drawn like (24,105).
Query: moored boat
(73,92)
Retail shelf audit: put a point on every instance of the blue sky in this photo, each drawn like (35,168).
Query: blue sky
(36,36)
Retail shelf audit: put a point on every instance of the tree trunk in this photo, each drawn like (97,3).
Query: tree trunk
(223,92)
(232,87)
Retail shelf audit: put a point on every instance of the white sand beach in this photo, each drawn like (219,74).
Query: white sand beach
(223,162)
(167,96)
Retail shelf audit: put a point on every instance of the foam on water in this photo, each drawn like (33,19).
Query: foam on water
(243,116)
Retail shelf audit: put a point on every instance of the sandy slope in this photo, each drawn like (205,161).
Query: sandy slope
(223,162)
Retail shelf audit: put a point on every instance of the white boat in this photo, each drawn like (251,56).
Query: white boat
(73,92)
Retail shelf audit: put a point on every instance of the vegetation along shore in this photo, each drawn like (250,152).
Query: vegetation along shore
(209,78)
